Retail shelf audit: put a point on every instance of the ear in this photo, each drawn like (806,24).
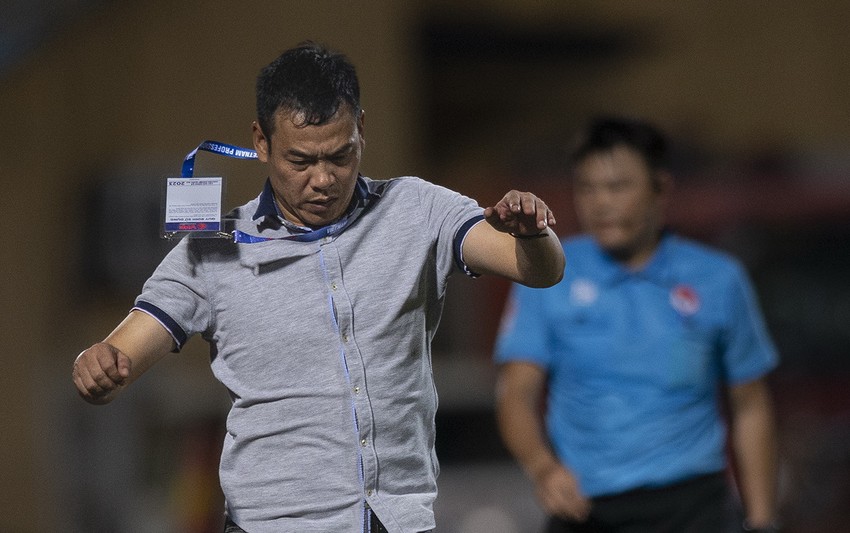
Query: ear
(261,142)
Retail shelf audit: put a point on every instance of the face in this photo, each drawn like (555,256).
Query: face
(312,169)
(620,203)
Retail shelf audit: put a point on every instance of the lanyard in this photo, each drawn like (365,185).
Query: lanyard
(309,236)
(215,147)
(241,237)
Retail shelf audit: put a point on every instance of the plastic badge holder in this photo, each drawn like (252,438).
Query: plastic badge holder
(193,205)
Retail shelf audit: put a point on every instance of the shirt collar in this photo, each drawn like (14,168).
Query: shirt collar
(656,270)
(267,206)
(269,214)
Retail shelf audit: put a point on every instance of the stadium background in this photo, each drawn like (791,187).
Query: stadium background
(99,99)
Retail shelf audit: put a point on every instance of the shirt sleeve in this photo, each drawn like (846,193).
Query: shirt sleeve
(449,216)
(176,295)
(748,350)
(523,330)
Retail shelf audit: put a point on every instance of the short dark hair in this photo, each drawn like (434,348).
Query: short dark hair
(606,132)
(310,80)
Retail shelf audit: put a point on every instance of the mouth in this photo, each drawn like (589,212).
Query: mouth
(605,225)
(321,204)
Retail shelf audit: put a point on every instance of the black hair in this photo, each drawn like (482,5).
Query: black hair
(309,80)
(607,132)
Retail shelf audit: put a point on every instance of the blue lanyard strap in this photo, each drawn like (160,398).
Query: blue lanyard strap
(241,237)
(215,147)
(311,236)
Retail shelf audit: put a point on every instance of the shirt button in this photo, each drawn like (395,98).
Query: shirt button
(363,442)
(369,492)
(345,337)
(356,389)
(333,286)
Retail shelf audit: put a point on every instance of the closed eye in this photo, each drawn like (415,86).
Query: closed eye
(300,165)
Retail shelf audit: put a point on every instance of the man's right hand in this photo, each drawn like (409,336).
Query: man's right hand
(560,495)
(100,372)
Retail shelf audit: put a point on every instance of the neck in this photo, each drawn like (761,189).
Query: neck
(637,257)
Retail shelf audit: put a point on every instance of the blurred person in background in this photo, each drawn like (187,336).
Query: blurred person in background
(320,315)
(610,387)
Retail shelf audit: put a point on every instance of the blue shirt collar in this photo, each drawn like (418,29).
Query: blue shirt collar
(267,207)
(656,270)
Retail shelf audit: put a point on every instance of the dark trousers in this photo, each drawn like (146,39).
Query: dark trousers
(700,505)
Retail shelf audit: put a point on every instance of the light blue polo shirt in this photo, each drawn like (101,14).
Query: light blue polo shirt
(635,360)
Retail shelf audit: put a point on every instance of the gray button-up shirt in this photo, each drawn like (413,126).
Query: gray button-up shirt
(323,339)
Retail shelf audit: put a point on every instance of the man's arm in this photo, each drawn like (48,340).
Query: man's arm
(106,368)
(516,242)
(754,446)
(519,389)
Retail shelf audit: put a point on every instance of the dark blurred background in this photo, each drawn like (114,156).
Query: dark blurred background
(100,99)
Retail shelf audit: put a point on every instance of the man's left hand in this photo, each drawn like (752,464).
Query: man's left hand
(520,213)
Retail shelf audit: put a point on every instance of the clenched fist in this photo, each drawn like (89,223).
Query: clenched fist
(100,372)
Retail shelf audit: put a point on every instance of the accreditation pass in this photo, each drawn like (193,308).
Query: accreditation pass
(193,204)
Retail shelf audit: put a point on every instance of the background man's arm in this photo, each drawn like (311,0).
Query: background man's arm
(754,444)
(106,368)
(518,394)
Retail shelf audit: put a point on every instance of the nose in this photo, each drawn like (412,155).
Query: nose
(602,199)
(594,197)
(323,176)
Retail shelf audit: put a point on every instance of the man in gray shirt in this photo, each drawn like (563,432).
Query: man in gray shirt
(321,311)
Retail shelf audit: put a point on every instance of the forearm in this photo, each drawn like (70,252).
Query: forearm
(523,438)
(106,368)
(535,262)
(518,394)
(521,428)
(143,339)
(540,260)
(754,443)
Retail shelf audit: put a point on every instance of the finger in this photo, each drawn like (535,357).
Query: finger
(93,373)
(545,217)
(508,212)
(103,382)
(82,389)
(497,212)
(107,358)
(124,366)
(512,201)
(534,211)
(530,204)
(542,213)
(86,385)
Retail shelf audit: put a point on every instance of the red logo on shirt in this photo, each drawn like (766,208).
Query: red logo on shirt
(685,300)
